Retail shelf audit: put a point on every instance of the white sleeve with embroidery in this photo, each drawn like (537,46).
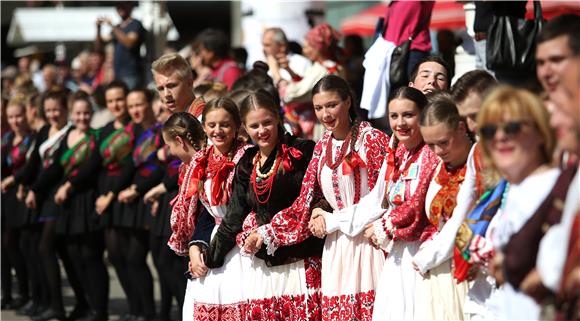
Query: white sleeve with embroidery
(353,219)
(440,248)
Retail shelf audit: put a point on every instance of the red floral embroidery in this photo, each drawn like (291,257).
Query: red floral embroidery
(312,268)
(290,226)
(285,308)
(348,307)
(219,312)
(409,218)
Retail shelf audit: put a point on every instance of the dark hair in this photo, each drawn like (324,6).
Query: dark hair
(211,90)
(479,81)
(226,104)
(333,83)
(257,79)
(564,25)
(215,41)
(435,59)
(146,92)
(82,96)
(186,126)
(259,99)
(238,96)
(58,95)
(118,84)
(336,84)
(262,99)
(412,94)
(440,109)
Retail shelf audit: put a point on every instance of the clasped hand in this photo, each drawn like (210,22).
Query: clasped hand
(253,242)
(317,224)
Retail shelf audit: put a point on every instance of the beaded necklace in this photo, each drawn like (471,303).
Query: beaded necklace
(341,154)
(262,183)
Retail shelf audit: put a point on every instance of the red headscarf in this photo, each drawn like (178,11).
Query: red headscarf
(325,40)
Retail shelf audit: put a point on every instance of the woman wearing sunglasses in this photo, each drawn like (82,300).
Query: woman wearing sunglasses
(516,140)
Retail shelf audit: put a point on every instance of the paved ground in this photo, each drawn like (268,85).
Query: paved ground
(117,302)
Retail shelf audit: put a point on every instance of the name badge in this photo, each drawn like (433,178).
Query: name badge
(413,172)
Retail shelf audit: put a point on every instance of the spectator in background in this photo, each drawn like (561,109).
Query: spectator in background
(447,42)
(355,54)
(411,17)
(200,71)
(127,38)
(47,80)
(430,74)
(278,56)
(96,68)
(214,49)
(240,55)
(484,12)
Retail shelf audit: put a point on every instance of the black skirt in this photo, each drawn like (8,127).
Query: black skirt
(136,215)
(112,216)
(14,212)
(161,221)
(49,211)
(78,215)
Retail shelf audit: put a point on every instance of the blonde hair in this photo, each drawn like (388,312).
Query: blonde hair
(170,63)
(519,104)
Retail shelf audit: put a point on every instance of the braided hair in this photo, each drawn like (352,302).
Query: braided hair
(186,126)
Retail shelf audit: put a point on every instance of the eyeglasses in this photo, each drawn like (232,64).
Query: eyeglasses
(511,128)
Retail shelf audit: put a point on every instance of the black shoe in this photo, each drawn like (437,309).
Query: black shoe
(17,303)
(5,303)
(79,312)
(128,317)
(38,310)
(26,309)
(50,314)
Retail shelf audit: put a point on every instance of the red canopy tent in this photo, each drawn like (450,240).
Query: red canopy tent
(446,15)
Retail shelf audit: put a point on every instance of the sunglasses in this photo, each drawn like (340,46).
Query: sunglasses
(511,128)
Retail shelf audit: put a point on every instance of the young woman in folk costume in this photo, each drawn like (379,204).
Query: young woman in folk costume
(344,168)
(207,181)
(267,179)
(439,297)
(468,93)
(40,197)
(401,189)
(115,168)
(136,215)
(15,145)
(169,266)
(79,223)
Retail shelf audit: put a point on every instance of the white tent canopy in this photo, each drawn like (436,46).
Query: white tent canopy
(59,24)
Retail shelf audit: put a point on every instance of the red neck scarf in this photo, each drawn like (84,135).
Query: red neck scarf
(446,198)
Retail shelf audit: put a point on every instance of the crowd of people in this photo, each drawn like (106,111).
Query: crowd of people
(277,198)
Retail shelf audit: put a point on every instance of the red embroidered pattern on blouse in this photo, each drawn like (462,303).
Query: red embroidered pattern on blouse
(348,307)
(409,218)
(290,226)
(184,211)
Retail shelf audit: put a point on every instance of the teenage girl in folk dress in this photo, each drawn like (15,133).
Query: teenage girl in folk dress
(40,197)
(217,295)
(440,297)
(267,179)
(15,145)
(79,223)
(344,168)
